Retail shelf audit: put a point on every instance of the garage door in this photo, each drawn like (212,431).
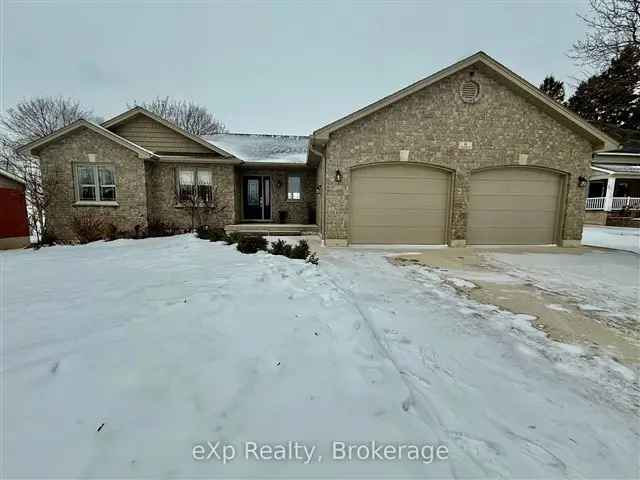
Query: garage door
(399,203)
(513,206)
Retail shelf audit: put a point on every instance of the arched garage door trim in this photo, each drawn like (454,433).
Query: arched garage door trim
(560,197)
(447,176)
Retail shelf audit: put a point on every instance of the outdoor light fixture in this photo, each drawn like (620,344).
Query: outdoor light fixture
(279,184)
(582,181)
(338,176)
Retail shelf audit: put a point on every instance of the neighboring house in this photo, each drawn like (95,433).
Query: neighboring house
(14,224)
(614,184)
(473,154)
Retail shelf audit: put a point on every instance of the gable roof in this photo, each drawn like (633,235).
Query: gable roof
(597,138)
(34,147)
(123,117)
(263,148)
(11,176)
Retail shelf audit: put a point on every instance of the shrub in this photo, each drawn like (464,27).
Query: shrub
(110,232)
(48,237)
(313,259)
(300,251)
(158,228)
(251,244)
(217,234)
(203,232)
(87,227)
(280,248)
(233,237)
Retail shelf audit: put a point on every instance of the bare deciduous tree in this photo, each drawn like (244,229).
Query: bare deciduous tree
(23,123)
(612,26)
(189,116)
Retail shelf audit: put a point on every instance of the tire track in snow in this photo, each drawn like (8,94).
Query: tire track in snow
(425,408)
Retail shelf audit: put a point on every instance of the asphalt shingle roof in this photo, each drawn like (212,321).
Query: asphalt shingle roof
(249,147)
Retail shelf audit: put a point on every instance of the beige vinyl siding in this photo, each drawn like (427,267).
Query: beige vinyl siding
(399,204)
(156,137)
(514,206)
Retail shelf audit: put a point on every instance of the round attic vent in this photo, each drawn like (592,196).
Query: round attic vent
(469,91)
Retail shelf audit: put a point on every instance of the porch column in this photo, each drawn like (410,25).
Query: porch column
(608,198)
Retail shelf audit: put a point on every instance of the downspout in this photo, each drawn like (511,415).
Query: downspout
(321,154)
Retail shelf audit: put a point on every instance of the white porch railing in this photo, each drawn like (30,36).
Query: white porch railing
(620,202)
(617,203)
(595,203)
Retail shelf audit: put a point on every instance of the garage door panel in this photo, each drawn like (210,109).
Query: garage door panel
(397,218)
(393,235)
(525,236)
(399,200)
(409,185)
(516,220)
(399,204)
(513,206)
(519,188)
(400,171)
(514,175)
(513,203)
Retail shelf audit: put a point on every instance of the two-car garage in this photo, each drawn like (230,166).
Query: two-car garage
(409,203)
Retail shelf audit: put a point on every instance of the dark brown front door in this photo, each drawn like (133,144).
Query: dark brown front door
(257,197)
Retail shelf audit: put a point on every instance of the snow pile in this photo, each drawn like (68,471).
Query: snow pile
(118,358)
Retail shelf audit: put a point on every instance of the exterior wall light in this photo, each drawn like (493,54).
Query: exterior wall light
(338,176)
(582,181)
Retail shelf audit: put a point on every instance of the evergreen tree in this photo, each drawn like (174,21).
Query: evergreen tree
(553,88)
(613,96)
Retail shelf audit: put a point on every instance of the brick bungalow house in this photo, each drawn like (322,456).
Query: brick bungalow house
(14,224)
(473,154)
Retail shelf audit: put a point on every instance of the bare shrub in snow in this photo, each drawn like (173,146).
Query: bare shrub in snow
(88,227)
(203,205)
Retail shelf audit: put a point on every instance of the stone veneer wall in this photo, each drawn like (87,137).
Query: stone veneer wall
(595,217)
(298,211)
(163,205)
(57,161)
(431,123)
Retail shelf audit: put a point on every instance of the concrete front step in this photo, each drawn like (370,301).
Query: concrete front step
(274,228)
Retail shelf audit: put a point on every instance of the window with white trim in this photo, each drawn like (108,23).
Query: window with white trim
(96,183)
(294,186)
(195,182)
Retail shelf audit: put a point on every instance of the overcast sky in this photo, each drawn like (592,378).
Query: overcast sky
(268,67)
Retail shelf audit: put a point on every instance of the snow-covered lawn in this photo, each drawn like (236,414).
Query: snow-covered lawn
(612,237)
(172,342)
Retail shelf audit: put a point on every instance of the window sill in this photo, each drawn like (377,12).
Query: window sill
(296,201)
(88,203)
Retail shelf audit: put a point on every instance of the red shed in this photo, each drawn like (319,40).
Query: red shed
(14,226)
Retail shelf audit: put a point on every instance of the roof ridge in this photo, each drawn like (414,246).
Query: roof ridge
(257,134)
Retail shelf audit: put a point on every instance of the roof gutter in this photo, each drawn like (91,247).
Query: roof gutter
(323,187)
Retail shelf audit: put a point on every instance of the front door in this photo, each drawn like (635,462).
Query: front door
(257,197)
